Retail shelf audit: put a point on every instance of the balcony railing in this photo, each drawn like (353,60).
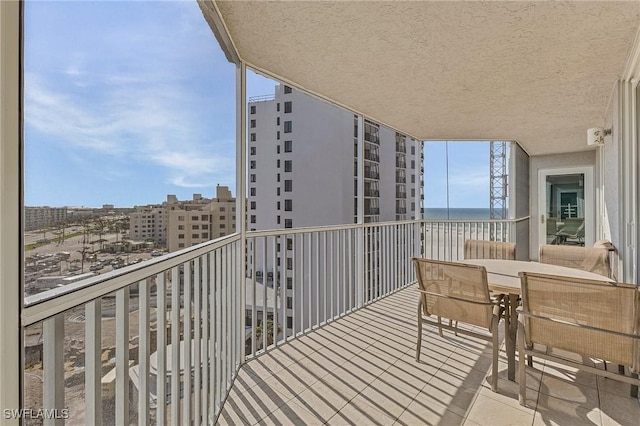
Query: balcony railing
(163,340)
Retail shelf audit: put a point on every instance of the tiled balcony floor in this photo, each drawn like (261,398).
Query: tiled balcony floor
(360,370)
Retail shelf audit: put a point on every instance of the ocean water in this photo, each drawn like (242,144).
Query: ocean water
(457,213)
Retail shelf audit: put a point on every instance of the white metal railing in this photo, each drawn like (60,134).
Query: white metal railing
(183,312)
(299,279)
(175,329)
(444,239)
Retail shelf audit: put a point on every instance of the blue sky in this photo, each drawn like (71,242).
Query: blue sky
(126,102)
(468,174)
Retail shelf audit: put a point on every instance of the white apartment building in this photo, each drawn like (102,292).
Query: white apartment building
(303,171)
(303,165)
(43,217)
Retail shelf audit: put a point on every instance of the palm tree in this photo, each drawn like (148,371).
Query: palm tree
(269,328)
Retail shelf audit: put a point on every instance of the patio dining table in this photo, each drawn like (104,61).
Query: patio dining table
(503,278)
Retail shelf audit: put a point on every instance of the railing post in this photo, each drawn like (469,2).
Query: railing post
(122,356)
(241,201)
(93,363)
(53,392)
(361,245)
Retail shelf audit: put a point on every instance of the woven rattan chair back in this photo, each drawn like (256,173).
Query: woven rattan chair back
(591,259)
(595,319)
(455,291)
(478,249)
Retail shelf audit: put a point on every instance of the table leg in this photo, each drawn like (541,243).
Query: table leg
(511,336)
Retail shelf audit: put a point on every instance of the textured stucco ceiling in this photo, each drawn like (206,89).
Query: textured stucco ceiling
(540,73)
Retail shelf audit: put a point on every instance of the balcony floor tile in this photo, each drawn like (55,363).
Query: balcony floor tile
(361,369)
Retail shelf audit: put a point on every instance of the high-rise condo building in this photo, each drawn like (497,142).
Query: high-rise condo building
(303,157)
(307,168)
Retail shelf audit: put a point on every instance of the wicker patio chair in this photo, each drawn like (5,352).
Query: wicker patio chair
(459,292)
(478,249)
(591,259)
(594,319)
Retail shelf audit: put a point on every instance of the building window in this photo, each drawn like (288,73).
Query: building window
(288,185)
(206,235)
(204,226)
(253,124)
(289,263)
(252,192)
(253,137)
(288,165)
(413,178)
(287,126)
(288,205)
(277,149)
(278,106)
(278,177)
(288,146)
(222,226)
(253,178)
(253,150)
(223,217)
(253,164)
(195,226)
(413,150)
(278,220)
(181,245)
(289,302)
(253,205)
(253,109)
(278,163)
(288,223)
(278,205)
(287,107)
(180,227)
(413,192)
(289,322)
(195,236)
(289,283)
(181,218)
(277,121)
(278,191)
(278,135)
(287,89)
(194,218)
(223,209)
(253,218)
(413,164)
(181,236)
(204,217)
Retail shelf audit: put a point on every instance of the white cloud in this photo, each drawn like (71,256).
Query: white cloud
(134,121)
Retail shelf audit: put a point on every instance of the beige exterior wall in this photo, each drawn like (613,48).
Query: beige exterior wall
(201,220)
(149,222)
